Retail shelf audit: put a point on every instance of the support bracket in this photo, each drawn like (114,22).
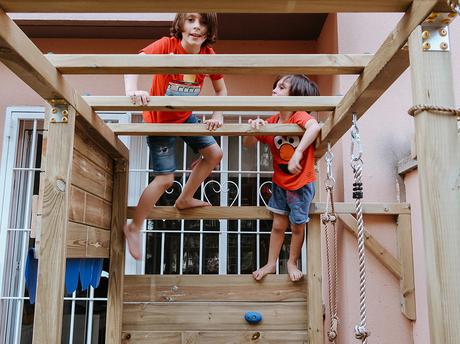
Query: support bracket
(435,31)
(59,111)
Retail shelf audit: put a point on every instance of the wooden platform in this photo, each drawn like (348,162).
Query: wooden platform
(210,309)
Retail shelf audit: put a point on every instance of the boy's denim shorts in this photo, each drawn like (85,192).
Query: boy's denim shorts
(292,203)
(163,148)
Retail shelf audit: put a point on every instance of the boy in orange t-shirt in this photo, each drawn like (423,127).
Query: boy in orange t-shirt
(293,174)
(191,33)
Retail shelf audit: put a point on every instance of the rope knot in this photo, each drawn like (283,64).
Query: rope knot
(332,333)
(361,332)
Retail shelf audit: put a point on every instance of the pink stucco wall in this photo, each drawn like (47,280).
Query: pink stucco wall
(386,132)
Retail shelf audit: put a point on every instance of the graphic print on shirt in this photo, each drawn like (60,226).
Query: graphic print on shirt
(286,146)
(186,87)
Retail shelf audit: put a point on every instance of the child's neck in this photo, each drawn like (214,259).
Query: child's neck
(191,49)
(285,115)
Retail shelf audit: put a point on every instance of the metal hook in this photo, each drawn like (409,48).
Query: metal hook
(329,157)
(356,148)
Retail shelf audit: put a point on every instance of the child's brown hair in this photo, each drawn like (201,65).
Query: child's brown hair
(207,19)
(301,85)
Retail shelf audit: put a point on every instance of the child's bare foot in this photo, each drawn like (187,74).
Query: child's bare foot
(294,273)
(133,237)
(190,203)
(263,271)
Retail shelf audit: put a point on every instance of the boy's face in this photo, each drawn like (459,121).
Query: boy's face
(194,30)
(282,87)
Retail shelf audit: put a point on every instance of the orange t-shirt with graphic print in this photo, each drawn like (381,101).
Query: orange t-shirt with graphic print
(174,84)
(283,147)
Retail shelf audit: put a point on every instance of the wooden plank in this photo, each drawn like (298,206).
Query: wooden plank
(98,245)
(262,213)
(275,64)
(146,337)
(223,6)
(87,147)
(85,241)
(117,254)
(215,337)
(77,240)
(215,103)
(314,280)
(240,337)
(153,288)
(389,62)
(24,59)
(53,235)
(407,284)
(91,178)
(380,252)
(438,167)
(98,212)
(222,316)
(183,129)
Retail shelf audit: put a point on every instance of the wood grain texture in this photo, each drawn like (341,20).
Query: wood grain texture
(153,288)
(275,64)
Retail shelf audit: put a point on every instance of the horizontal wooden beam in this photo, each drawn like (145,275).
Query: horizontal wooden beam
(212,288)
(388,64)
(209,103)
(184,129)
(20,55)
(316,64)
(381,253)
(222,6)
(261,213)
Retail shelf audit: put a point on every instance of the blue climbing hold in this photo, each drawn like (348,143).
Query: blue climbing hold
(253,317)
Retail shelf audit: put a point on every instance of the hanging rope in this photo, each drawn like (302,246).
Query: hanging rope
(361,331)
(416,109)
(329,217)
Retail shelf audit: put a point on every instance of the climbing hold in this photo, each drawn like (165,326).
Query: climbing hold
(253,317)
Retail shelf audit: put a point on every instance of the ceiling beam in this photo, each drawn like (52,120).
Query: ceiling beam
(20,55)
(389,62)
(221,6)
(311,64)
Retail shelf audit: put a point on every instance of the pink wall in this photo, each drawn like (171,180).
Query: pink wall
(386,132)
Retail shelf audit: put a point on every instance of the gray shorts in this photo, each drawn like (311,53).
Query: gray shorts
(292,203)
(163,148)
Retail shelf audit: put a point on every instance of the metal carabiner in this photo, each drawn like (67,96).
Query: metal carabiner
(329,157)
(356,148)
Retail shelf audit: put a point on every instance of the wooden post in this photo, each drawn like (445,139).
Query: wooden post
(117,257)
(439,179)
(315,292)
(407,284)
(52,254)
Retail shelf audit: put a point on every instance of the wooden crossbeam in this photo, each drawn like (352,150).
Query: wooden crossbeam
(20,55)
(184,129)
(316,64)
(222,6)
(380,252)
(252,212)
(388,64)
(209,103)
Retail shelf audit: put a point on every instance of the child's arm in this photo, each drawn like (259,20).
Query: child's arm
(312,129)
(217,119)
(132,90)
(249,141)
